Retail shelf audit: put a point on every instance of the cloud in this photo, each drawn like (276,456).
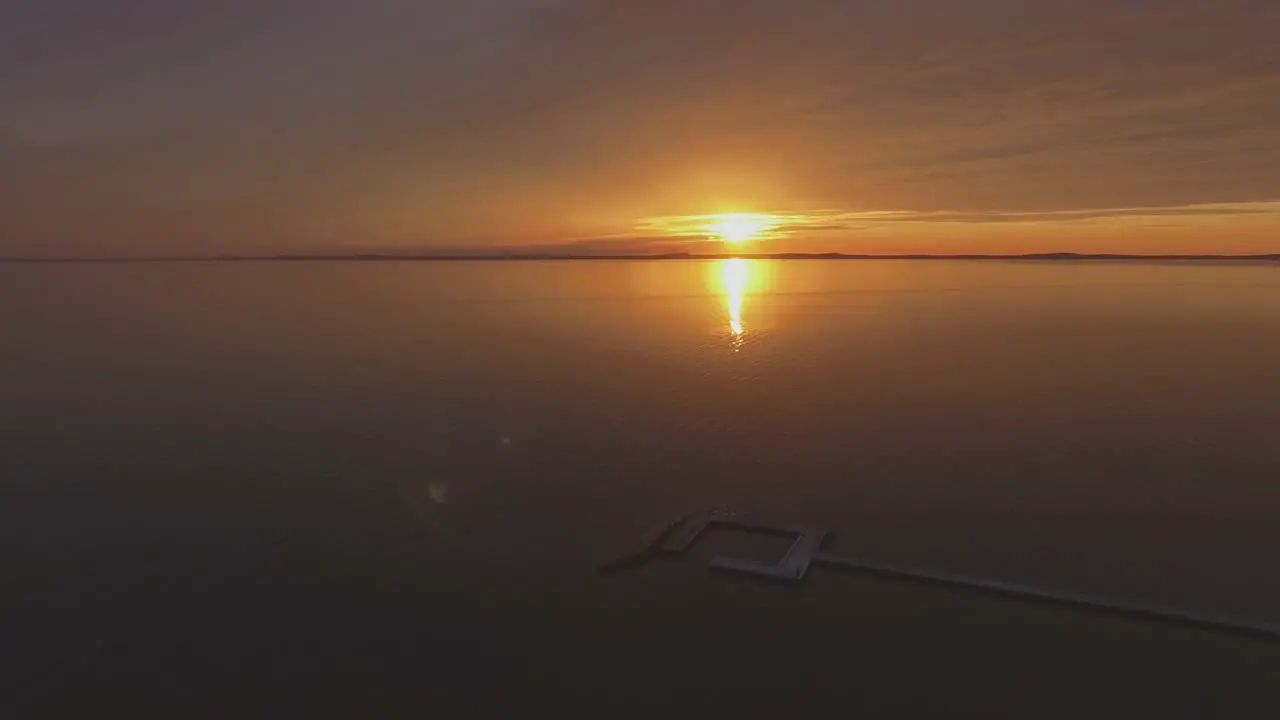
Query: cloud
(784,223)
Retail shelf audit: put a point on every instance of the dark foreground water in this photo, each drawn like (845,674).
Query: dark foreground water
(382,489)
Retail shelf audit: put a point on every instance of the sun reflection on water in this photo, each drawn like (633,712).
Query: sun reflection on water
(734,277)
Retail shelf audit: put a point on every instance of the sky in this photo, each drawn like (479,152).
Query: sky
(153,127)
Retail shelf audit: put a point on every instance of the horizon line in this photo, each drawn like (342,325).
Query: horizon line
(515,256)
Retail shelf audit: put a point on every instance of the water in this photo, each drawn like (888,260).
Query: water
(382,488)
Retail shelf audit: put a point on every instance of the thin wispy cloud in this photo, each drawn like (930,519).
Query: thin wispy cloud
(783,224)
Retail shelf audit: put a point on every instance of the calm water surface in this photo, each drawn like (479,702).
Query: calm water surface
(384,487)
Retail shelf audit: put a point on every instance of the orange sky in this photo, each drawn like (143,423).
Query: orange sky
(869,126)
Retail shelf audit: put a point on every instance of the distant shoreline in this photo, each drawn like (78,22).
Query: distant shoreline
(1275,257)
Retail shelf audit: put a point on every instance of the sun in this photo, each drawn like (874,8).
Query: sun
(739,227)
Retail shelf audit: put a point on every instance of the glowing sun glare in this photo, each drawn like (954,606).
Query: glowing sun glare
(733,273)
(739,227)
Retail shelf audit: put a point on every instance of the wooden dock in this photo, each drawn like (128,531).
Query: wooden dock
(806,551)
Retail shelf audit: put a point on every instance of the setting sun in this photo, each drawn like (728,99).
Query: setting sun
(739,227)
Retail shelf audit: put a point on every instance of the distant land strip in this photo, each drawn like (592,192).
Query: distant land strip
(495,257)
